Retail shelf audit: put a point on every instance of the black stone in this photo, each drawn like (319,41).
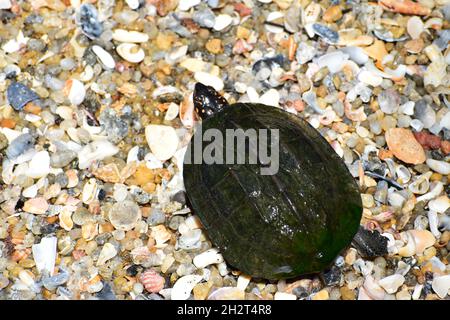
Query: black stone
(332,276)
(370,244)
(179,197)
(101,194)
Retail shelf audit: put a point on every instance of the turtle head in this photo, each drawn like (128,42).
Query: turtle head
(207,101)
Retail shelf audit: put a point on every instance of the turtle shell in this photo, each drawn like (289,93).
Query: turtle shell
(275,226)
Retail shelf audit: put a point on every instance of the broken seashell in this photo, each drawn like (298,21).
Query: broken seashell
(172,112)
(440,204)
(104,56)
(44,255)
(39,166)
(436,190)
(75,91)
(108,252)
(211,256)
(415,27)
(36,206)
(441,167)
(227,293)
(441,285)
(182,288)
(416,242)
(131,52)
(122,35)
(392,283)
(162,140)
(405,7)
(90,191)
(124,215)
(65,219)
(96,150)
(422,183)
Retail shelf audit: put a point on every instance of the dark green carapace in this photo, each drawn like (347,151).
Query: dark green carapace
(274,226)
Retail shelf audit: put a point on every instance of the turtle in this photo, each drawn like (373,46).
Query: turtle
(282,225)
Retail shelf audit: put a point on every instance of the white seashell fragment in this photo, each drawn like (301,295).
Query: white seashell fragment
(31,191)
(392,283)
(90,191)
(172,112)
(370,78)
(243,281)
(39,166)
(96,150)
(185,5)
(270,98)
(334,61)
(76,91)
(65,220)
(182,288)
(222,21)
(415,27)
(284,296)
(133,4)
(356,54)
(416,242)
(417,291)
(5,4)
(162,140)
(123,35)
(104,56)
(435,191)
(206,258)
(209,80)
(440,204)
(131,52)
(44,255)
(108,252)
(227,293)
(422,184)
(441,167)
(441,285)
(433,221)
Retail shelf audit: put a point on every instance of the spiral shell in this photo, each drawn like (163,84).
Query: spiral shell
(152,281)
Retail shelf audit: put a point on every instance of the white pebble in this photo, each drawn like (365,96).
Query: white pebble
(284,296)
(96,150)
(334,61)
(185,5)
(162,140)
(206,258)
(172,112)
(122,35)
(370,78)
(182,288)
(392,283)
(5,4)
(440,204)
(77,92)
(105,57)
(209,80)
(270,98)
(415,27)
(222,21)
(39,166)
(441,167)
(243,281)
(108,252)
(133,4)
(441,285)
(44,255)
